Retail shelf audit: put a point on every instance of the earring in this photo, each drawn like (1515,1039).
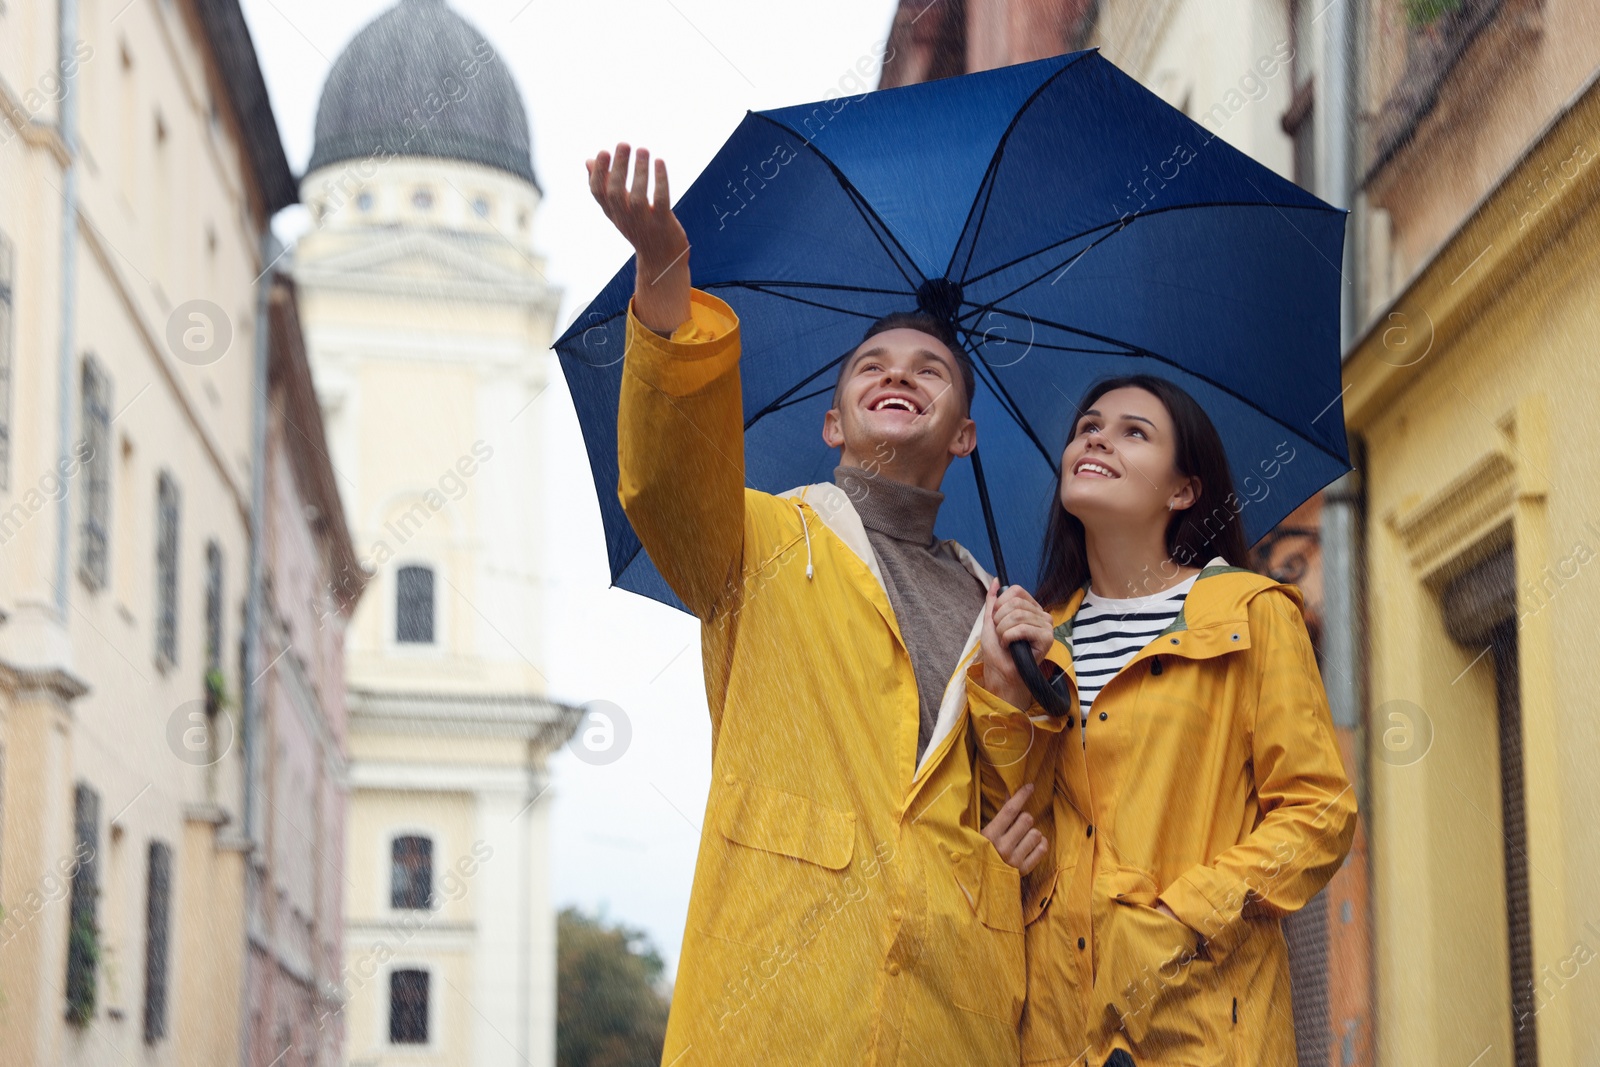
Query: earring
(1169,505)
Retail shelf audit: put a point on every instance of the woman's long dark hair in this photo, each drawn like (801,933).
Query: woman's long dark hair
(1209,527)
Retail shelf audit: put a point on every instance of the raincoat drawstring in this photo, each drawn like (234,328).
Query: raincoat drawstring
(804,526)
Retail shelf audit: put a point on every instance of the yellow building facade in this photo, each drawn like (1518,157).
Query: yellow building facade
(1474,393)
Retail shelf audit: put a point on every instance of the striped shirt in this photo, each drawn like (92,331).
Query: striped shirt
(1107,632)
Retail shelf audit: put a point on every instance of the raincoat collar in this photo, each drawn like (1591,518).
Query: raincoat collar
(833,506)
(1213,619)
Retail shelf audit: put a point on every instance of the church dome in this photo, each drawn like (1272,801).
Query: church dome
(420,80)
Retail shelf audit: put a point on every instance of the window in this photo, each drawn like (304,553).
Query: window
(411,873)
(1297,121)
(213,606)
(408,1007)
(1479,607)
(213,622)
(422,199)
(413,616)
(158,899)
(5,362)
(83,927)
(166,614)
(96,456)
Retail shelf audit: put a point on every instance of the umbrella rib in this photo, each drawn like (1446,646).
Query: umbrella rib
(759,287)
(862,207)
(782,400)
(809,285)
(788,402)
(1065,348)
(1135,350)
(986,187)
(1006,400)
(989,306)
(1129,218)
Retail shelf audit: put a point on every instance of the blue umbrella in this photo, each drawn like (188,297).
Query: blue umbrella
(1069,222)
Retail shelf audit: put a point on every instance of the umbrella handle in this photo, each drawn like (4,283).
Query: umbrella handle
(1049,698)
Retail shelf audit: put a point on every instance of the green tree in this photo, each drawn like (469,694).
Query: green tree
(610,1011)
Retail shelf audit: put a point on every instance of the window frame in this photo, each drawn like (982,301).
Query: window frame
(431,896)
(428,1029)
(158,937)
(94,412)
(82,984)
(434,627)
(169,535)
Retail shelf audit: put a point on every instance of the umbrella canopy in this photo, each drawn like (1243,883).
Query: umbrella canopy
(1070,223)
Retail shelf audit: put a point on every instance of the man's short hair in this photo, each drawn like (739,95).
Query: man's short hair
(925,323)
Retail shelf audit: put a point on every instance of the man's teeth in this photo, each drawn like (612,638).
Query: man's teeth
(894,401)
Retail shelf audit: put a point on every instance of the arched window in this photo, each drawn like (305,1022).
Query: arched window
(408,1007)
(411,873)
(413,614)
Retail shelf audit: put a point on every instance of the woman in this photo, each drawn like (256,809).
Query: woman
(1198,796)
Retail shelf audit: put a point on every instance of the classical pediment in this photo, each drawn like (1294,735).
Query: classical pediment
(420,263)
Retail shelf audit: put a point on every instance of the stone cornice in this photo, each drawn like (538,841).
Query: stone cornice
(490,715)
(1493,249)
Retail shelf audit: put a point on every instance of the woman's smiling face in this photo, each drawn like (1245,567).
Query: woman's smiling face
(1119,465)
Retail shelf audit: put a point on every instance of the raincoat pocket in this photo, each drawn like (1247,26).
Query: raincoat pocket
(991,977)
(787,824)
(779,881)
(1152,979)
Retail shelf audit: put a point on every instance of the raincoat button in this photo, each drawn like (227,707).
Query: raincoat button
(1102,716)
(1236,637)
(1174,640)
(1090,833)
(850,815)
(728,778)
(1082,944)
(894,968)
(894,914)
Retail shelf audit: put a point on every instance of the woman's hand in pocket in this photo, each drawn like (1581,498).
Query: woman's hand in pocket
(1013,834)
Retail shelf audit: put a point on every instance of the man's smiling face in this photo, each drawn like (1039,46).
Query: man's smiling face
(900,394)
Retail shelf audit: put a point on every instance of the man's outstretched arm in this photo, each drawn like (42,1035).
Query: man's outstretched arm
(680,434)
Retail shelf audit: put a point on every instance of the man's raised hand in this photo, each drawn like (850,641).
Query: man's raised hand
(1014,835)
(661,283)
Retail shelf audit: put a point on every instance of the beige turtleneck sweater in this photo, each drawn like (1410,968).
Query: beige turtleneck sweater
(935,598)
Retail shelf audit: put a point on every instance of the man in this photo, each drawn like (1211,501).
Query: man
(847,906)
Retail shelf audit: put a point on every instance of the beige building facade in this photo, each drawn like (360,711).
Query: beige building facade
(429,321)
(139,167)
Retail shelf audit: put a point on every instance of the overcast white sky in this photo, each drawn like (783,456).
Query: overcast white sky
(676,76)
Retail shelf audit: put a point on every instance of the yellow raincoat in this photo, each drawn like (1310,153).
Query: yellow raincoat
(1207,777)
(845,908)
